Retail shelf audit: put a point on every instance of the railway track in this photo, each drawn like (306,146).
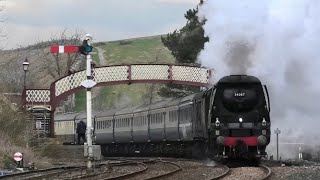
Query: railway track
(43,173)
(140,169)
(116,170)
(176,167)
(267,170)
(227,172)
(147,168)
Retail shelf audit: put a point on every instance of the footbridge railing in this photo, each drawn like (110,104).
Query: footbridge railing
(117,74)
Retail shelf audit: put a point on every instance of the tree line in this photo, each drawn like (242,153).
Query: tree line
(185,44)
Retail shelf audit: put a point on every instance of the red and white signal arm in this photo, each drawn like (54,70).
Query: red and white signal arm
(17,156)
(64,49)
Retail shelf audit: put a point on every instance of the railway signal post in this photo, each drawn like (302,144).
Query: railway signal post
(88,84)
(277,132)
(85,49)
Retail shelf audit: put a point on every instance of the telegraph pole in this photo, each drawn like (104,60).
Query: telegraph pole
(277,132)
(88,84)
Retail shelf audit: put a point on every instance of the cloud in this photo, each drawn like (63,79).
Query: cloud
(194,2)
(33,20)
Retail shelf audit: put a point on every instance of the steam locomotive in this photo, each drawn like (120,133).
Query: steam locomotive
(229,120)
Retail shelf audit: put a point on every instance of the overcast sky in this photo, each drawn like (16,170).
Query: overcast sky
(29,21)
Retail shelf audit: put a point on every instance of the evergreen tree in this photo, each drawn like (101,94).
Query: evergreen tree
(185,45)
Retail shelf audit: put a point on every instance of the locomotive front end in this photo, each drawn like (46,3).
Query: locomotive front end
(240,120)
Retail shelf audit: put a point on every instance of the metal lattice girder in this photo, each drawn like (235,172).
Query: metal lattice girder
(38,95)
(69,82)
(120,74)
(143,72)
(192,74)
(138,73)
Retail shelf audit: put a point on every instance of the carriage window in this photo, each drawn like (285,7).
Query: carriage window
(158,118)
(107,124)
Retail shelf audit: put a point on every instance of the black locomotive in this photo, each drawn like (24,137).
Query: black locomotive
(229,120)
(239,118)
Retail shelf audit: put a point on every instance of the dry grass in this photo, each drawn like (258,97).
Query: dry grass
(17,135)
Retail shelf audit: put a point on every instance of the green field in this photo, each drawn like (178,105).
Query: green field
(131,51)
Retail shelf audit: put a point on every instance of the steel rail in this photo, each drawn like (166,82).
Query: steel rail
(47,175)
(122,163)
(131,174)
(267,170)
(225,172)
(29,173)
(178,168)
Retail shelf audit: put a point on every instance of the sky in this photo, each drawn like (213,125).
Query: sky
(30,21)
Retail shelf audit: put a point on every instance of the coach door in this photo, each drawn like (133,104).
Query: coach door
(198,117)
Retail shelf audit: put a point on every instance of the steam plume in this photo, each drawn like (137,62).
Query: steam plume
(279,42)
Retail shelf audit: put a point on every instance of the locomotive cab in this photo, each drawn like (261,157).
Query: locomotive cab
(240,120)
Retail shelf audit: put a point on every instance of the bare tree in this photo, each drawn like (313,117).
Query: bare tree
(11,76)
(59,65)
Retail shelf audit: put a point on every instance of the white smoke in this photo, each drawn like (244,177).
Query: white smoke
(279,42)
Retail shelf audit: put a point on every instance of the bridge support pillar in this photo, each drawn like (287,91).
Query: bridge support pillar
(51,123)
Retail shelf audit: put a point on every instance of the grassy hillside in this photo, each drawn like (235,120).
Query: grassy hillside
(130,51)
(141,50)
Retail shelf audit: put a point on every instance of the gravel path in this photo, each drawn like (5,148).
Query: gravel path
(196,170)
(296,173)
(245,173)
(103,61)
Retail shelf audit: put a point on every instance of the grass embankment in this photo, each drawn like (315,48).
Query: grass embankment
(131,51)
